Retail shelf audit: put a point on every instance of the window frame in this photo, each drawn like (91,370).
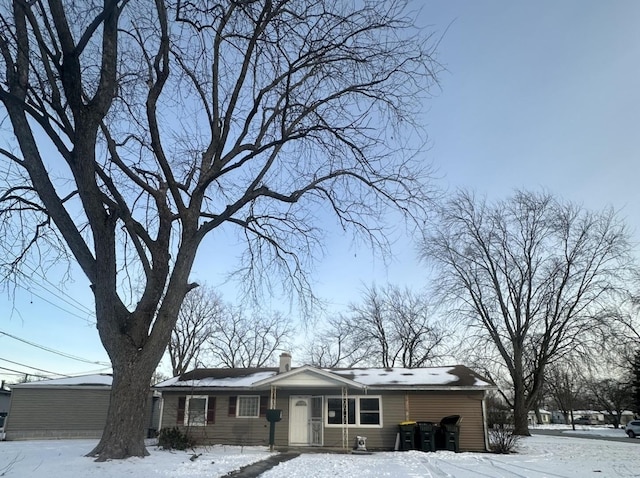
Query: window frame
(358,411)
(187,410)
(240,398)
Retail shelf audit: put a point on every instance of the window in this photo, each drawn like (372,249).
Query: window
(361,411)
(248,406)
(196,410)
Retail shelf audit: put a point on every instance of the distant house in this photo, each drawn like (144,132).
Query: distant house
(545,417)
(61,408)
(5,399)
(323,407)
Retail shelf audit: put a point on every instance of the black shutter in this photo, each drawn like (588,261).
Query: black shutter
(180,415)
(211,410)
(232,406)
(264,403)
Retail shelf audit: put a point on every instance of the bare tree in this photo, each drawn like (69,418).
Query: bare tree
(396,325)
(239,340)
(201,310)
(389,328)
(564,386)
(611,395)
(534,278)
(333,344)
(134,129)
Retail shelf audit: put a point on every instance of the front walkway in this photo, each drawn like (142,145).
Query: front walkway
(259,467)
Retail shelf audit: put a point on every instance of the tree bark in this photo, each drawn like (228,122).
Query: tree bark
(520,412)
(129,408)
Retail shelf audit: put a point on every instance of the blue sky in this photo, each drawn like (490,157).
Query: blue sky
(541,94)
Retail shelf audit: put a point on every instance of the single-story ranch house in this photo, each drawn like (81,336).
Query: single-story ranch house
(323,407)
(74,407)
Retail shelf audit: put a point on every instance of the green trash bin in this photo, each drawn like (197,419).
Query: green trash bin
(427,436)
(407,435)
(452,437)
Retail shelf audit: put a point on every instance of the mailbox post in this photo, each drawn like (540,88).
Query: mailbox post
(273,415)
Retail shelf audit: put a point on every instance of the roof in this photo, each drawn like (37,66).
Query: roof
(434,378)
(426,377)
(100,380)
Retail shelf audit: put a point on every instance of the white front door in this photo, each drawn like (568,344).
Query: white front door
(299,417)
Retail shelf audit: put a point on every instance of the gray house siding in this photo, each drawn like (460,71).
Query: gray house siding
(225,429)
(48,413)
(5,400)
(63,412)
(435,405)
(255,431)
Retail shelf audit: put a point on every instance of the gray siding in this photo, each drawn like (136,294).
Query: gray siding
(226,430)
(59,413)
(433,406)
(47,413)
(397,406)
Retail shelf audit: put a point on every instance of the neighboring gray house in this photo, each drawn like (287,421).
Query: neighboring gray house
(5,399)
(60,408)
(65,408)
(323,407)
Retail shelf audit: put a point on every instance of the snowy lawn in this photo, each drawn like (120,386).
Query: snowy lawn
(540,456)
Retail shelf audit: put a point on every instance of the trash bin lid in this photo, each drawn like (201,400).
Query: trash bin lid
(451,420)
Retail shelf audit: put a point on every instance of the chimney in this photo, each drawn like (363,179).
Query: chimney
(285,362)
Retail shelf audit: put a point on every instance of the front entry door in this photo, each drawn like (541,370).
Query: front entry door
(299,420)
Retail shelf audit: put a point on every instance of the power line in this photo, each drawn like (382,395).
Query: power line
(34,368)
(57,352)
(58,291)
(18,372)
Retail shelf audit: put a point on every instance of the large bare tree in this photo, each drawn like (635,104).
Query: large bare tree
(201,309)
(534,278)
(246,340)
(389,327)
(133,130)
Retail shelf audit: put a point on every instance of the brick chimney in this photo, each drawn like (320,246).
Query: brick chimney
(285,362)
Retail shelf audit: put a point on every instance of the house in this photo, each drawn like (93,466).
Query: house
(73,407)
(5,399)
(545,417)
(322,407)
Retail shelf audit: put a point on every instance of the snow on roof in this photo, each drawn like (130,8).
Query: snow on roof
(217,380)
(454,376)
(458,376)
(102,380)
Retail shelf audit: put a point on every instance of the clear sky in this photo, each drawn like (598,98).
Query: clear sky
(536,95)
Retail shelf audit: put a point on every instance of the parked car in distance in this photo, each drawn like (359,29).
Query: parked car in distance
(582,421)
(633,428)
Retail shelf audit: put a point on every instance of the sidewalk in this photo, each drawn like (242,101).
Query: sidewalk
(256,469)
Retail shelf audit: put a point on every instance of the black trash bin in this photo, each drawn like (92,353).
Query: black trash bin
(450,433)
(426,432)
(407,435)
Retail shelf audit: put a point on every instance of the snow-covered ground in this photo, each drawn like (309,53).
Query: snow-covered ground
(539,456)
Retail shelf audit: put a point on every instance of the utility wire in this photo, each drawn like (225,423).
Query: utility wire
(18,372)
(57,352)
(35,368)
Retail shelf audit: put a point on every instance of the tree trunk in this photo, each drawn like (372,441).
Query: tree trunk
(129,408)
(520,412)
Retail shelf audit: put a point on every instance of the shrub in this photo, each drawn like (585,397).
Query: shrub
(502,439)
(174,439)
